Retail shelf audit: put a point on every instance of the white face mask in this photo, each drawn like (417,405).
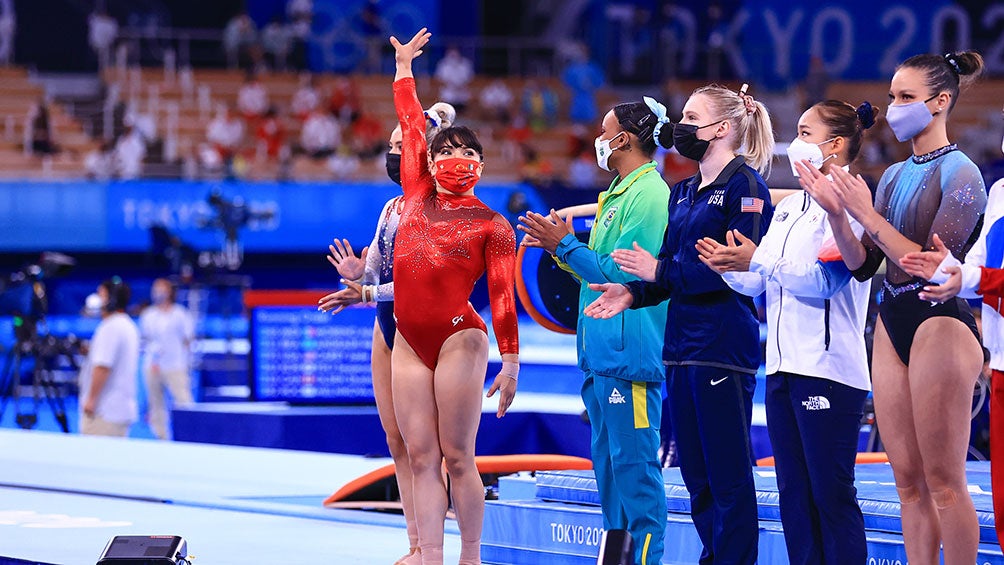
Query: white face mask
(1002,145)
(800,150)
(603,152)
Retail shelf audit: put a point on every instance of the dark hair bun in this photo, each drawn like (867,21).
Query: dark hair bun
(666,136)
(970,63)
(866,115)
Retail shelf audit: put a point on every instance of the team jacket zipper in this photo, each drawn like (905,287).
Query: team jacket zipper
(780,294)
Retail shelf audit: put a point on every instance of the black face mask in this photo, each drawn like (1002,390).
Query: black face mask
(394,167)
(686,141)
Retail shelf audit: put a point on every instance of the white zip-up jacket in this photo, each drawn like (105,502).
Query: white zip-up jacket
(815,309)
(988,251)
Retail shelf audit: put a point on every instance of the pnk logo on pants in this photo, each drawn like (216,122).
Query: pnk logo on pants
(616,397)
(817,403)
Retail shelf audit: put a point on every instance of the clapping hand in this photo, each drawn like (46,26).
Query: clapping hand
(735,256)
(545,232)
(637,262)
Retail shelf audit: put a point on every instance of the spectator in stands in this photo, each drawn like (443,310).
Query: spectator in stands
(496,102)
(168,330)
(270,134)
(540,105)
(225,134)
(367,136)
(252,98)
(535,170)
(40,130)
(300,14)
(240,42)
(455,72)
(320,135)
(583,78)
(144,123)
(582,171)
(344,101)
(130,150)
(817,82)
(374,30)
(343,163)
(515,135)
(276,42)
(306,99)
(102,32)
(8,27)
(108,378)
(99,163)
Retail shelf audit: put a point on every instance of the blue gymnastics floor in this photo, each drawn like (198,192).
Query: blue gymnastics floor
(62,497)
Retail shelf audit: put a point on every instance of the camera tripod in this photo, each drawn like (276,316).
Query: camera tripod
(43,385)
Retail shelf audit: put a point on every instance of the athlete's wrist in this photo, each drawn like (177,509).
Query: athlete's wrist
(510,369)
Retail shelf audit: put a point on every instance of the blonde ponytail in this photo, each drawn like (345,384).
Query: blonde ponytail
(754,138)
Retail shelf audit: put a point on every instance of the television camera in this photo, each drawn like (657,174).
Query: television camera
(23,295)
(231,216)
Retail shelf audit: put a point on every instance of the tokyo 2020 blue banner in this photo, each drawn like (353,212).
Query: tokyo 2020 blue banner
(117,217)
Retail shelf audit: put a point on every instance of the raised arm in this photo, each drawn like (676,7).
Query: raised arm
(415,176)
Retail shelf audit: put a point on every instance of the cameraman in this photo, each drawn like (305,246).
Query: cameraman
(108,381)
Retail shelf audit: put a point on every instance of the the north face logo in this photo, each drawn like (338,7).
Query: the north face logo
(817,403)
(616,397)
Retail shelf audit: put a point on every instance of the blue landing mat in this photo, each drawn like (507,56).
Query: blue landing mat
(63,496)
(534,532)
(536,423)
(876,494)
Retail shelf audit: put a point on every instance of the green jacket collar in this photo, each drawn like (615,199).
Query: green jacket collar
(620,185)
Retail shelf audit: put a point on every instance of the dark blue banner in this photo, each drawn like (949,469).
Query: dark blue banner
(117,217)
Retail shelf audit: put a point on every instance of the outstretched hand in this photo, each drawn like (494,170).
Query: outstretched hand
(345,261)
(615,299)
(405,53)
(338,300)
(924,264)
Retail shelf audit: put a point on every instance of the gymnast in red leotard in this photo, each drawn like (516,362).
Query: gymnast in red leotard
(447,238)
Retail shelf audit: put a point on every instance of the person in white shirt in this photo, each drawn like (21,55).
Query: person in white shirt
(252,98)
(306,99)
(102,32)
(817,367)
(225,132)
(496,101)
(455,72)
(130,150)
(320,136)
(108,379)
(167,329)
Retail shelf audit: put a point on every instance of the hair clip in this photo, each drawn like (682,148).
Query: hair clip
(435,122)
(950,59)
(747,99)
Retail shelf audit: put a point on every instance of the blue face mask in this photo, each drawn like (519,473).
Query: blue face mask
(907,120)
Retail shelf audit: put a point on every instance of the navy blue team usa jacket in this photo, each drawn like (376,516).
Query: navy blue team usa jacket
(708,323)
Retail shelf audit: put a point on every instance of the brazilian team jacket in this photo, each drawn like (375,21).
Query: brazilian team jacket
(708,323)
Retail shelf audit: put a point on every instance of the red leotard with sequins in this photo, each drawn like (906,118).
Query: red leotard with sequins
(444,243)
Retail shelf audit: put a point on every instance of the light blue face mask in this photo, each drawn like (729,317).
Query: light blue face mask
(907,120)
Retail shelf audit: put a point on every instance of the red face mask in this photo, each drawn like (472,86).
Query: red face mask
(457,175)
